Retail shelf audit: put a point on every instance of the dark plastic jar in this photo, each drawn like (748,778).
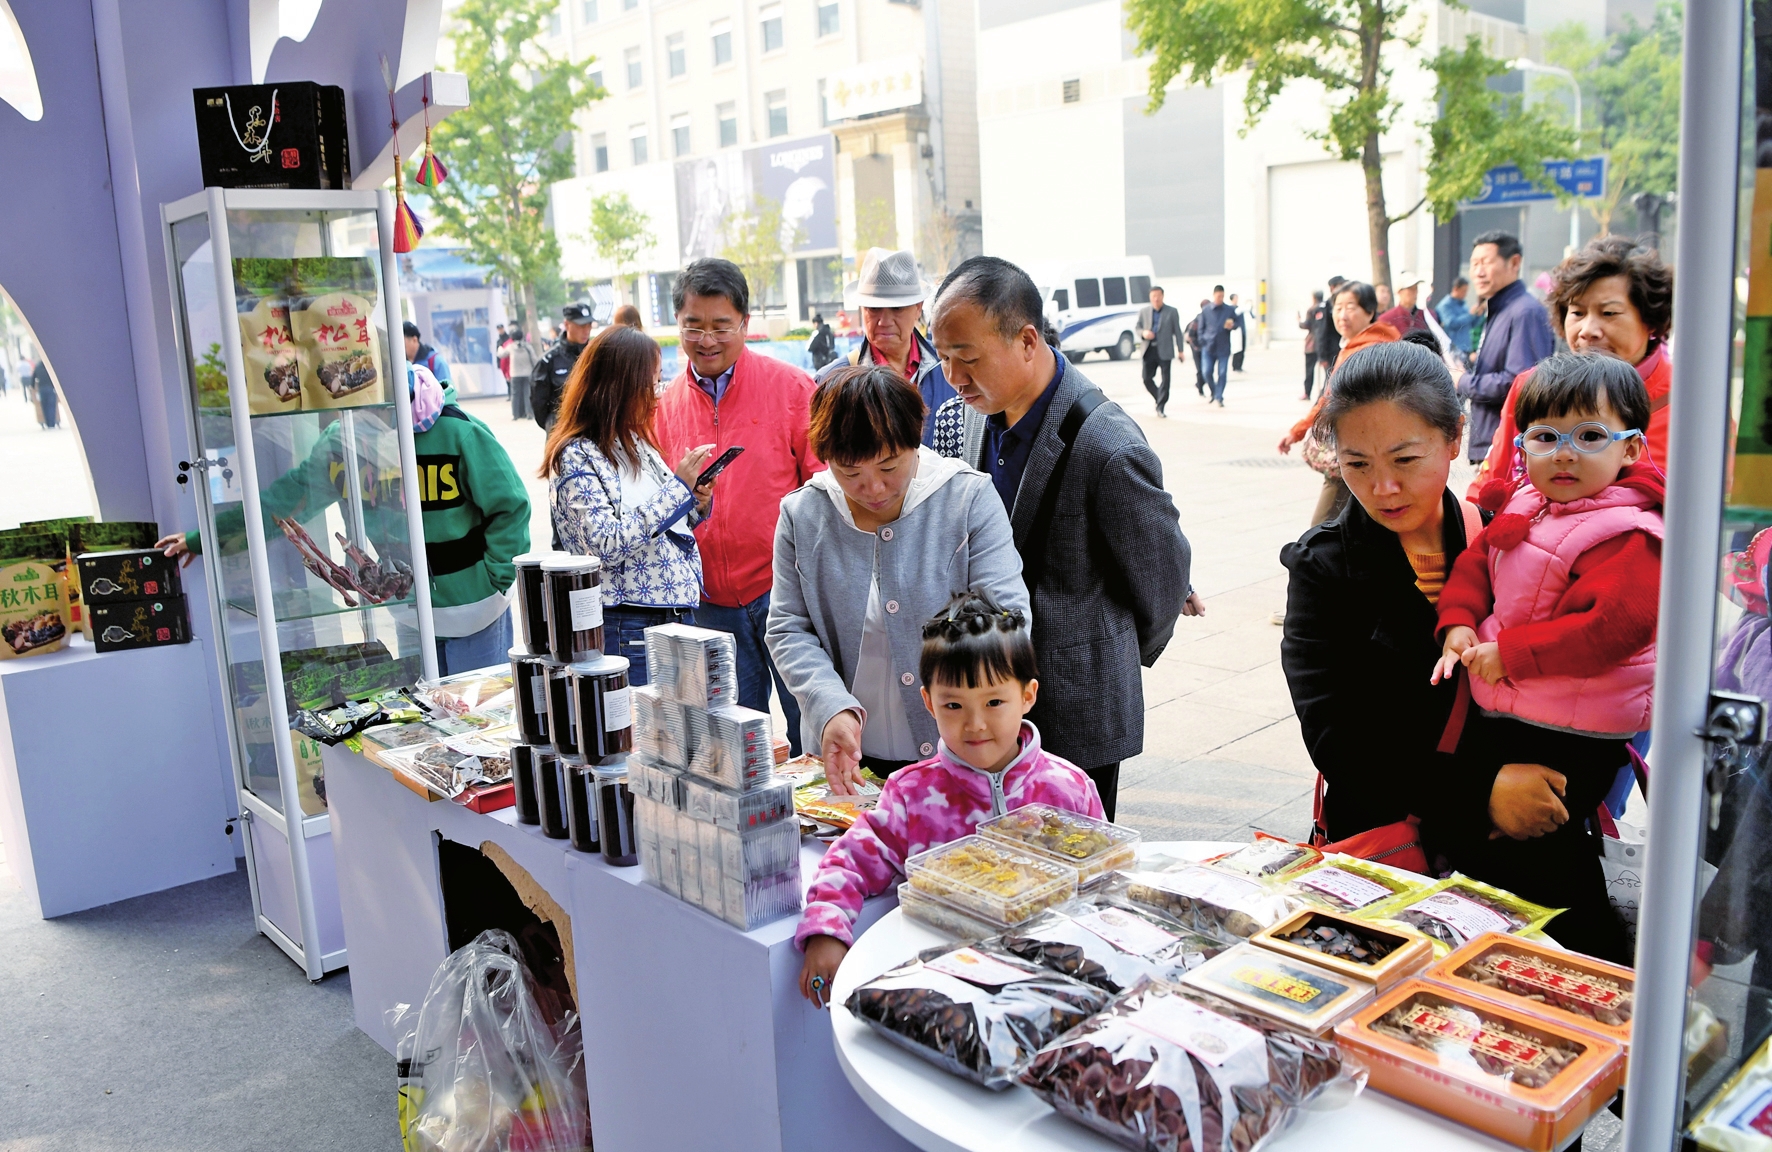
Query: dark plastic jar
(615,814)
(562,729)
(602,707)
(524,758)
(551,773)
(573,588)
(529,683)
(581,807)
(532,606)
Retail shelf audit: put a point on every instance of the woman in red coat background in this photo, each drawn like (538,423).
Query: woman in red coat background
(1614,298)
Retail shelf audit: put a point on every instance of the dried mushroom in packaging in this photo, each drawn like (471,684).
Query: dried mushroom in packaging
(1111,947)
(1457,910)
(1347,884)
(1580,985)
(1464,1034)
(1167,1070)
(995,881)
(1268,855)
(977,1011)
(1208,900)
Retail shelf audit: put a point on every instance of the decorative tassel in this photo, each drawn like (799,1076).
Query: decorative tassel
(408,228)
(430,170)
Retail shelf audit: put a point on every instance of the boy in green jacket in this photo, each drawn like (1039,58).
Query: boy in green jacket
(476,517)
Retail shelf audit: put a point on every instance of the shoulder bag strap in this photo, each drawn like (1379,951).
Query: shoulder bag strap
(1033,557)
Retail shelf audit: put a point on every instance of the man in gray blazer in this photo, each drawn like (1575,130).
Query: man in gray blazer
(1102,552)
(1159,325)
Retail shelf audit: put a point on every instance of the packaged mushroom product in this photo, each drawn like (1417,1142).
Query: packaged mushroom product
(974,1010)
(1268,855)
(1296,994)
(949,919)
(1521,1078)
(1093,847)
(1208,900)
(1577,990)
(338,339)
(1457,910)
(1347,883)
(997,882)
(1109,946)
(267,343)
(1167,1070)
(1358,949)
(1739,1117)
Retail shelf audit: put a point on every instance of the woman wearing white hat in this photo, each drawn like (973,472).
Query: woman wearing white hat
(891,294)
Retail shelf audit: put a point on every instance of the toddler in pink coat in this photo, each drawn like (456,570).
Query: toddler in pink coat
(979,682)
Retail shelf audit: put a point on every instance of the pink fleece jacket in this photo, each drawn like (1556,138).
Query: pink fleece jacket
(930,803)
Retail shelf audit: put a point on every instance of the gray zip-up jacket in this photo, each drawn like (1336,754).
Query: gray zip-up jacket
(952,535)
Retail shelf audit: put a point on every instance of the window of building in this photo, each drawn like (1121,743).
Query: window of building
(824,105)
(680,134)
(632,58)
(829,23)
(1113,290)
(771,17)
(637,143)
(629,5)
(555,22)
(596,79)
(676,57)
(1073,91)
(1089,294)
(727,115)
(600,152)
(588,9)
(722,42)
(1140,287)
(776,103)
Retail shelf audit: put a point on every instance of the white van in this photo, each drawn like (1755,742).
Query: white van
(1094,303)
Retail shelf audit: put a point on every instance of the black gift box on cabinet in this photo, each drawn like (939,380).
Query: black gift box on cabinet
(125,624)
(130,574)
(288,135)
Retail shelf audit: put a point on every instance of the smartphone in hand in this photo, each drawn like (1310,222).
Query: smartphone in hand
(718,466)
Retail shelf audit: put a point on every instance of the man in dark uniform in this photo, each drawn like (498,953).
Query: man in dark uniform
(548,382)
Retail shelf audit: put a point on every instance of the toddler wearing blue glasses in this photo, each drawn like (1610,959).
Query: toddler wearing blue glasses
(1551,611)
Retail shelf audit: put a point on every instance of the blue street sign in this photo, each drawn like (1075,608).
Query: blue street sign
(1506,184)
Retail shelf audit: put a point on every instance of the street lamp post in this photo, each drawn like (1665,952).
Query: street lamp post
(1524,65)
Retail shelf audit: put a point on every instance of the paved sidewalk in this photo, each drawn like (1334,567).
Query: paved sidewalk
(42,471)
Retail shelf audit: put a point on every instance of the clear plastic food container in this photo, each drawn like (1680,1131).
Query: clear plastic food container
(1567,987)
(1521,1078)
(990,878)
(1381,956)
(948,919)
(1093,847)
(1297,994)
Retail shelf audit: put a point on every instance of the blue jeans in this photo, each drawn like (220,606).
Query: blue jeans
(490,645)
(755,668)
(624,634)
(1216,365)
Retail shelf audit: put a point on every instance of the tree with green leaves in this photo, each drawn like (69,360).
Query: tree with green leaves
(619,230)
(1347,47)
(1630,92)
(759,244)
(511,144)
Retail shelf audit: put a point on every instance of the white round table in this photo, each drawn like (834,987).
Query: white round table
(940,1112)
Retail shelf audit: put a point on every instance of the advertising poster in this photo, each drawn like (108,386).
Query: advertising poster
(800,175)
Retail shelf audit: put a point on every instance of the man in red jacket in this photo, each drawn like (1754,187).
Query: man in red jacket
(731,397)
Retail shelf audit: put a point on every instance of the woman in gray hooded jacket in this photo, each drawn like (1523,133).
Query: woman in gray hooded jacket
(865,553)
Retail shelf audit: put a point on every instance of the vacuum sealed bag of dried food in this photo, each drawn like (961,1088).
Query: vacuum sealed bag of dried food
(267,345)
(1347,884)
(1112,947)
(992,880)
(1519,1077)
(1168,1070)
(338,336)
(1093,847)
(975,1010)
(1578,990)
(1208,900)
(1457,910)
(1268,855)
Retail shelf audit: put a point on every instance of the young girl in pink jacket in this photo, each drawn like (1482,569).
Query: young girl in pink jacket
(978,679)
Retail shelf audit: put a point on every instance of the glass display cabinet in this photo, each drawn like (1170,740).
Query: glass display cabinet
(1699,1074)
(302,466)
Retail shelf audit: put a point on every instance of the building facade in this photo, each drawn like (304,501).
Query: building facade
(855,120)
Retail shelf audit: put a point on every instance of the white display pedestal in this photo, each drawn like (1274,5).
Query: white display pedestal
(111,784)
(696,1035)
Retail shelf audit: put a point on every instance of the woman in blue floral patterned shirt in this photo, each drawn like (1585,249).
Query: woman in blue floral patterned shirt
(613,496)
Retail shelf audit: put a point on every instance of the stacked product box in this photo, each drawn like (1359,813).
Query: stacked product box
(135,599)
(715,826)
